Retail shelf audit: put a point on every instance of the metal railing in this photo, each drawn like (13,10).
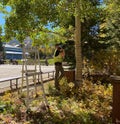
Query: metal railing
(14,83)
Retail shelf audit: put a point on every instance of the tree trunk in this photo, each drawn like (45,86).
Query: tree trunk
(78,51)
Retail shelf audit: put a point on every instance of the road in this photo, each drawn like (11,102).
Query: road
(16,70)
(9,71)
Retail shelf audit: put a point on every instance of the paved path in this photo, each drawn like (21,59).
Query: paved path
(15,70)
(7,71)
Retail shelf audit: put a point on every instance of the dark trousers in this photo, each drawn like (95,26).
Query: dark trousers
(59,73)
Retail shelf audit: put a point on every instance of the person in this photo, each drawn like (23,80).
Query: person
(59,55)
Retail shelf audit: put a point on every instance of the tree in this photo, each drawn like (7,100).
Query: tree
(109,34)
(81,11)
(111,25)
(31,16)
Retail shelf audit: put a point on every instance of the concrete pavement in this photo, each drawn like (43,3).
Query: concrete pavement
(16,70)
(9,71)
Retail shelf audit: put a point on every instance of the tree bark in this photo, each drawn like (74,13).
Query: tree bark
(78,49)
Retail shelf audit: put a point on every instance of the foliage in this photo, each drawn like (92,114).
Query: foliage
(69,53)
(90,103)
(107,60)
(29,18)
(1,48)
(110,26)
(1,45)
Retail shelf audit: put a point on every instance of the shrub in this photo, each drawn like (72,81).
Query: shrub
(88,104)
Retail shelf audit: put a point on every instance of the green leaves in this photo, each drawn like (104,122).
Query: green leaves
(112,25)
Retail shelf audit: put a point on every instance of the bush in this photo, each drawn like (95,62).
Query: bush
(88,104)
(94,101)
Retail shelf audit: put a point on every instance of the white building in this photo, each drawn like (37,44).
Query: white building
(12,52)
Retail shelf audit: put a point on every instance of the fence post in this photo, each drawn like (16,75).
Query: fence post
(11,84)
(116,99)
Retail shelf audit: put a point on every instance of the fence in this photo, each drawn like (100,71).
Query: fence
(13,83)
